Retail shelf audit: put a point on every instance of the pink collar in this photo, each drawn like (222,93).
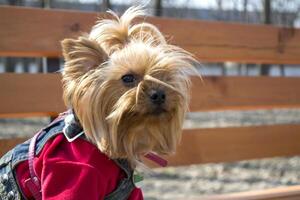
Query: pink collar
(157,159)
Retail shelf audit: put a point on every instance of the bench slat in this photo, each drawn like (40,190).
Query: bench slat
(30,95)
(237,143)
(37,32)
(8,143)
(41,94)
(200,146)
(280,193)
(237,93)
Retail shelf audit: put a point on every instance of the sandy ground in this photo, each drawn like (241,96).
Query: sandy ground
(196,180)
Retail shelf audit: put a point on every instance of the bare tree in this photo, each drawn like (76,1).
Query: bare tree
(265,68)
(105,5)
(219,4)
(158,7)
(245,10)
(45,4)
(220,9)
(287,12)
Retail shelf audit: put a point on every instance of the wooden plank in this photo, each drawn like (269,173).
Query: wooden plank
(37,32)
(222,93)
(282,193)
(8,143)
(200,146)
(279,193)
(25,33)
(41,94)
(30,95)
(236,143)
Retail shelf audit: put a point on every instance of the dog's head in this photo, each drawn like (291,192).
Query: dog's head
(128,87)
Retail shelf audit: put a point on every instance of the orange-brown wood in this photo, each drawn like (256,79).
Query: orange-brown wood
(8,143)
(37,32)
(280,193)
(41,94)
(221,93)
(31,95)
(200,146)
(254,142)
(237,143)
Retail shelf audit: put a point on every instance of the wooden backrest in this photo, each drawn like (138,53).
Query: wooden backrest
(37,32)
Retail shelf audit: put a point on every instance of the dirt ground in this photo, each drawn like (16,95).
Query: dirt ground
(194,181)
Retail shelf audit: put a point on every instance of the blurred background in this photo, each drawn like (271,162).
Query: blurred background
(172,183)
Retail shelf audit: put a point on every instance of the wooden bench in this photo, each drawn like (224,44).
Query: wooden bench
(29,32)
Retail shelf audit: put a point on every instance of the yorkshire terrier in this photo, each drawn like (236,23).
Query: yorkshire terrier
(128,90)
(128,87)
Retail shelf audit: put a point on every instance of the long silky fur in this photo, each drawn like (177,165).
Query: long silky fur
(117,118)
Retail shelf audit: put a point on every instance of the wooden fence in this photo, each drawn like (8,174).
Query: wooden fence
(37,32)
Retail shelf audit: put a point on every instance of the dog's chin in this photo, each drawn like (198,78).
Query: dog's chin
(157,111)
(140,131)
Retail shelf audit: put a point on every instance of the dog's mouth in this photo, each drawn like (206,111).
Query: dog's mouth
(158,110)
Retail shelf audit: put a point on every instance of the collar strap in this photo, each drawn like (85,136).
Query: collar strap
(157,159)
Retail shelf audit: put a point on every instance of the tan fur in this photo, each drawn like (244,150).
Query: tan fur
(116,117)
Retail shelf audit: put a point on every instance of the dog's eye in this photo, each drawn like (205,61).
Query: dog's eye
(128,79)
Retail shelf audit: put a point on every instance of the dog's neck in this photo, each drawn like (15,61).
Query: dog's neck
(151,156)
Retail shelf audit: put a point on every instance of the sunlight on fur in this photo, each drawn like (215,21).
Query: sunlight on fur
(127,86)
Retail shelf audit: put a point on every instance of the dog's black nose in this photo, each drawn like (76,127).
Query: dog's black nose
(158,97)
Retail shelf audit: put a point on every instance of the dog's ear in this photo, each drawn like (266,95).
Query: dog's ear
(82,55)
